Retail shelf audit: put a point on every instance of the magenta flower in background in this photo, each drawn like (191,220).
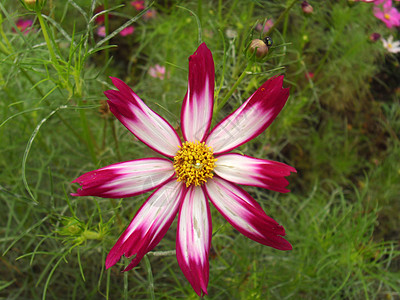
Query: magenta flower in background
(267,26)
(150,14)
(157,71)
(23,25)
(101,31)
(127,31)
(195,171)
(138,5)
(387,13)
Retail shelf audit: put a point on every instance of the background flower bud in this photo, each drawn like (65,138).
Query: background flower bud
(306,7)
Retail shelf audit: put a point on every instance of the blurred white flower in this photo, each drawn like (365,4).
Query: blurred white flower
(392,47)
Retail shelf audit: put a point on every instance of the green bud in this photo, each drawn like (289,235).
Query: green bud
(259,47)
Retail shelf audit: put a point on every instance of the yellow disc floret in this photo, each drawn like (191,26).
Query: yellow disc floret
(194,163)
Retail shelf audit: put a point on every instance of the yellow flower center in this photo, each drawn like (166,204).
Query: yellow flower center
(386,16)
(389,45)
(194,163)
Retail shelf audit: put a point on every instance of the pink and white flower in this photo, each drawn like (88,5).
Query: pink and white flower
(194,171)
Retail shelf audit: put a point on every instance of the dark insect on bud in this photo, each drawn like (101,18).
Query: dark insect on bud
(268,41)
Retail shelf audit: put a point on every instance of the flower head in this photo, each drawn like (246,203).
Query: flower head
(157,71)
(150,14)
(24,26)
(127,31)
(101,31)
(198,170)
(267,26)
(138,5)
(387,13)
(392,47)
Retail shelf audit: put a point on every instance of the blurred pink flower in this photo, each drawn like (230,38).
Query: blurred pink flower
(150,14)
(267,26)
(387,13)
(157,71)
(127,31)
(138,5)
(101,31)
(23,25)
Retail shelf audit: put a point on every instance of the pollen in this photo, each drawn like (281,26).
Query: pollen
(386,16)
(194,163)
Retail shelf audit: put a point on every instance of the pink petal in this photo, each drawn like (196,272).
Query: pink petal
(197,107)
(245,214)
(193,240)
(251,118)
(149,225)
(127,31)
(246,170)
(145,124)
(125,179)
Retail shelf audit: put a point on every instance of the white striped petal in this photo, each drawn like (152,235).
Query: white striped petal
(246,170)
(193,240)
(149,225)
(245,214)
(251,118)
(145,124)
(197,107)
(125,179)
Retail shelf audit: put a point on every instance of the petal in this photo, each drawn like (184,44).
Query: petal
(245,214)
(197,107)
(251,118)
(149,225)
(125,179)
(145,124)
(193,240)
(246,170)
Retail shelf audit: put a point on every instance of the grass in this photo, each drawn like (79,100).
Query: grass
(339,129)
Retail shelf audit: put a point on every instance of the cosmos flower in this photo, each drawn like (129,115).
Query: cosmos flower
(138,5)
(157,72)
(127,31)
(101,31)
(267,26)
(23,25)
(150,14)
(384,11)
(199,169)
(392,47)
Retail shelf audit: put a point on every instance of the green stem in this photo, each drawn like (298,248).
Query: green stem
(106,25)
(47,39)
(231,91)
(283,14)
(114,133)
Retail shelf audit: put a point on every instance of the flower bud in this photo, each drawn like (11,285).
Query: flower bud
(374,37)
(306,7)
(33,4)
(259,47)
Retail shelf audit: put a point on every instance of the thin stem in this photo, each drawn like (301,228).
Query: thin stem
(232,90)
(283,14)
(114,133)
(47,38)
(106,25)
